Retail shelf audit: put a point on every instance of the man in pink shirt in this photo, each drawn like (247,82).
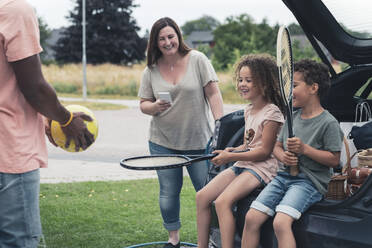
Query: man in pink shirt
(24,97)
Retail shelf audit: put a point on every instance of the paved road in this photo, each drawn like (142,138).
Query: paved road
(122,133)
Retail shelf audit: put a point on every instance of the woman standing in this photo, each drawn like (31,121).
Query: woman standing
(182,125)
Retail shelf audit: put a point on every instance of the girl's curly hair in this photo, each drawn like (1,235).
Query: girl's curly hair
(264,74)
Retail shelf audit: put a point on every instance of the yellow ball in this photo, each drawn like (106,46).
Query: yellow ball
(59,136)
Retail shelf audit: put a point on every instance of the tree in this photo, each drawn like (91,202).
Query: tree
(111,34)
(204,23)
(240,35)
(44,35)
(306,52)
(301,47)
(295,29)
(356,34)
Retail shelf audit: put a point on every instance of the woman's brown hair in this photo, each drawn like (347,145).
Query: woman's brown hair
(264,74)
(153,52)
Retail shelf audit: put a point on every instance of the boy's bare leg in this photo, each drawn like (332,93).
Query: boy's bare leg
(204,199)
(283,230)
(251,232)
(241,186)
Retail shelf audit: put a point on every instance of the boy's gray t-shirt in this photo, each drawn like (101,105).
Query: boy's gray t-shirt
(187,124)
(322,132)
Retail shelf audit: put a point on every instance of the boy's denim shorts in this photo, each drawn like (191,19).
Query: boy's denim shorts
(20,225)
(240,170)
(291,195)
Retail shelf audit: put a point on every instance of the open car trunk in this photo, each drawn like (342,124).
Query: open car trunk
(330,223)
(323,30)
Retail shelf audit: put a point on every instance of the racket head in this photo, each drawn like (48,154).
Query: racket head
(155,162)
(284,61)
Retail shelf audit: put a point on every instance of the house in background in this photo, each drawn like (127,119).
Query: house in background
(55,34)
(304,42)
(197,38)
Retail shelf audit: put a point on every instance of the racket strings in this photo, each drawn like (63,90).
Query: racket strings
(286,66)
(155,161)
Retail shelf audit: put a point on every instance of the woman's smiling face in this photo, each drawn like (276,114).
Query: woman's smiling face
(168,42)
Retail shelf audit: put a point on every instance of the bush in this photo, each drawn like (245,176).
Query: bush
(65,87)
(230,93)
(129,89)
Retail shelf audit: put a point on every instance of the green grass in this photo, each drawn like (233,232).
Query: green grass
(96,96)
(95,105)
(110,214)
(229,94)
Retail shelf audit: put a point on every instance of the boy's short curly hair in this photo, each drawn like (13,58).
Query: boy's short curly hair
(314,72)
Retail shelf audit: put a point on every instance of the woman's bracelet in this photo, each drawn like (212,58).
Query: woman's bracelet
(69,120)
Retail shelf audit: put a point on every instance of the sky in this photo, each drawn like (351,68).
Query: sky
(54,12)
(355,16)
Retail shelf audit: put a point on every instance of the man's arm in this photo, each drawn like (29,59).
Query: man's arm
(42,97)
(38,93)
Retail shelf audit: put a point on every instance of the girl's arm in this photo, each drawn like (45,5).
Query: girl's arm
(330,159)
(152,107)
(213,94)
(269,135)
(238,148)
(279,151)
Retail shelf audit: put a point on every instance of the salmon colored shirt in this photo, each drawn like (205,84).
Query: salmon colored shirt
(254,124)
(22,136)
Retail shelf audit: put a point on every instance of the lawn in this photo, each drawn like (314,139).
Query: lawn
(95,105)
(116,81)
(110,214)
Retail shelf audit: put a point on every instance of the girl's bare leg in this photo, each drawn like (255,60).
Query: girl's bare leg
(241,186)
(204,199)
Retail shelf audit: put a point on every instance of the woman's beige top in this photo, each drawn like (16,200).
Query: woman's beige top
(187,124)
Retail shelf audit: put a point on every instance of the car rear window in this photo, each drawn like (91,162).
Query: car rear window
(353,15)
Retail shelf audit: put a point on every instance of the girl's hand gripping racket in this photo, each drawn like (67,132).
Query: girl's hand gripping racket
(162,161)
(284,61)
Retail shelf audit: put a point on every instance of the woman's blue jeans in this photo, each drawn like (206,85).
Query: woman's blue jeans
(170,181)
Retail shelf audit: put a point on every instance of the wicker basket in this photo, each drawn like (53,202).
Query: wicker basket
(337,187)
(365,158)
(359,175)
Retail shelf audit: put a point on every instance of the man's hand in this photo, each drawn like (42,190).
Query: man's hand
(48,133)
(78,131)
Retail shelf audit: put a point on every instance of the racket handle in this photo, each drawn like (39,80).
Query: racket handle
(293,170)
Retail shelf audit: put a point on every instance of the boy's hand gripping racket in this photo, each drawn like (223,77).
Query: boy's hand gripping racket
(284,61)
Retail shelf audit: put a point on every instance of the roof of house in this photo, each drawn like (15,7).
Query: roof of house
(199,37)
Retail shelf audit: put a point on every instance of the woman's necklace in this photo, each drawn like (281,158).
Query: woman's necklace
(172,68)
